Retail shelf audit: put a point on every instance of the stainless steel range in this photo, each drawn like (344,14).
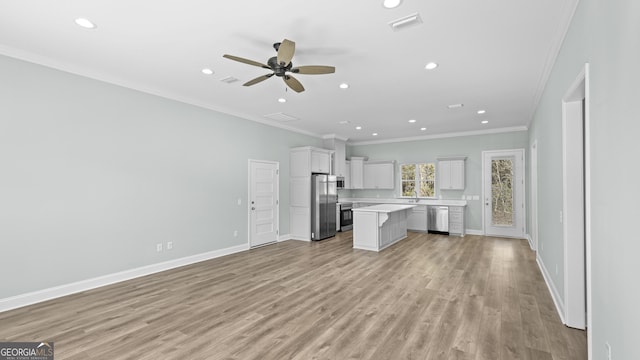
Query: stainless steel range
(346,216)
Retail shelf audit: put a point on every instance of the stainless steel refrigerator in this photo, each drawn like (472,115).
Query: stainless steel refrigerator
(324,197)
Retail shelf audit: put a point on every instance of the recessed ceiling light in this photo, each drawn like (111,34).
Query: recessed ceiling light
(423,129)
(485,121)
(282,100)
(482,111)
(455,106)
(85,23)
(207,71)
(358,127)
(375,134)
(390,4)
(431,66)
(344,86)
(412,121)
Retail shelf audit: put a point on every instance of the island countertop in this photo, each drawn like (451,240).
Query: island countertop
(384,208)
(406,201)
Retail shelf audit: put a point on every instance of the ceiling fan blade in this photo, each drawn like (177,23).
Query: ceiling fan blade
(258,79)
(285,52)
(314,70)
(293,83)
(246,61)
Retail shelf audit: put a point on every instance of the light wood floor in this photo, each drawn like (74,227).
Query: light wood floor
(427,297)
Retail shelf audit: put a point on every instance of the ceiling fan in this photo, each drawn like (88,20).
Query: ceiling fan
(281,65)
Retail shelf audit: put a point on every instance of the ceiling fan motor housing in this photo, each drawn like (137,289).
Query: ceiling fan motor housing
(278,69)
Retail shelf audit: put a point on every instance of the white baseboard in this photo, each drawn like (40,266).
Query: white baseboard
(555,295)
(18,301)
(530,240)
(285,237)
(299,239)
(474,232)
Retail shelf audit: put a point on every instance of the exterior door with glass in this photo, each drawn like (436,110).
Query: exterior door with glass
(503,193)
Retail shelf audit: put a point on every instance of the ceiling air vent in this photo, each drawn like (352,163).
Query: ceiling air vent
(405,22)
(229,80)
(281,117)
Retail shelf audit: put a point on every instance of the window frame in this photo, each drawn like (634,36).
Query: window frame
(417,181)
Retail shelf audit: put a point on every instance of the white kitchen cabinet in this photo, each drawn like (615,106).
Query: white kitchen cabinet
(304,161)
(378,175)
(300,191)
(340,158)
(451,173)
(456,220)
(320,161)
(357,172)
(417,220)
(307,160)
(378,227)
(347,174)
(339,146)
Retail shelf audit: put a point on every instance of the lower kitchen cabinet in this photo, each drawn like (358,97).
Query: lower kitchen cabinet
(456,220)
(417,220)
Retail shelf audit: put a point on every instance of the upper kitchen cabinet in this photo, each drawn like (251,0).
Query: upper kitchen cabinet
(451,173)
(307,160)
(339,147)
(347,174)
(357,172)
(379,175)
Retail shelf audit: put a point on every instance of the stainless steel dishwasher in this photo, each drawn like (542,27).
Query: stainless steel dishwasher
(438,221)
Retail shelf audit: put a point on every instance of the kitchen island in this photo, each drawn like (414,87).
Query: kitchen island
(379,226)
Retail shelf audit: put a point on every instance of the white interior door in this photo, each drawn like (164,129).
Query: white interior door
(503,178)
(263,202)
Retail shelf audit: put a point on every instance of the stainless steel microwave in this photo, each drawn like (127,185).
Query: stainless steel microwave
(339,182)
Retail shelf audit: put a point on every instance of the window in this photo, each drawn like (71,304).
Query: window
(418,177)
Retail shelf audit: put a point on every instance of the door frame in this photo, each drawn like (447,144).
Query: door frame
(533,194)
(249,195)
(574,113)
(523,213)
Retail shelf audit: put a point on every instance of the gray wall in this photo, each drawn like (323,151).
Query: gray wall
(605,34)
(94,175)
(429,150)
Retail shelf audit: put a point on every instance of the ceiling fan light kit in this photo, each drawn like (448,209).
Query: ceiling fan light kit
(281,66)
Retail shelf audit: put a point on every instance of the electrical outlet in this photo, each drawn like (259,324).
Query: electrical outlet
(556,269)
(607,346)
(561,218)
(169,245)
(235,233)
(239,201)
(159,247)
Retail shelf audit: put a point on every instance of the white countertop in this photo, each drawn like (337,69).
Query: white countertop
(385,208)
(407,201)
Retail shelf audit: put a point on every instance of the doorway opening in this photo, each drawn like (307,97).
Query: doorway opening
(576,204)
(533,193)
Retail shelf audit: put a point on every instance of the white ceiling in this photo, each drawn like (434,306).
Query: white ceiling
(494,55)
